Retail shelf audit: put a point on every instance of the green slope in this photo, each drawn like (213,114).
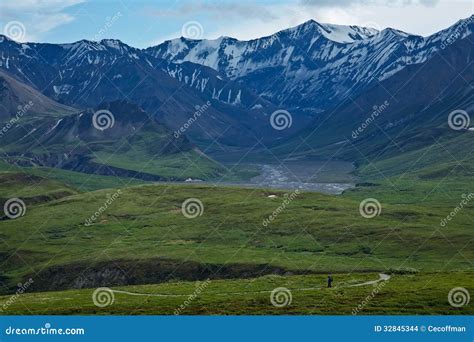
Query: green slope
(143,238)
(402,295)
(316,232)
(135,146)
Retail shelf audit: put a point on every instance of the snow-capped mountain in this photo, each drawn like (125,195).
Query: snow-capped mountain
(406,112)
(305,69)
(313,65)
(85,74)
(238,58)
(68,72)
(63,71)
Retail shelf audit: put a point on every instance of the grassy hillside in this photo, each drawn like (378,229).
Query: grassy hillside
(117,139)
(98,213)
(134,146)
(142,243)
(403,294)
(452,157)
(190,164)
(146,222)
(144,238)
(78,180)
(30,186)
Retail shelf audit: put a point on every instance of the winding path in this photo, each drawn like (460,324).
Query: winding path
(382,277)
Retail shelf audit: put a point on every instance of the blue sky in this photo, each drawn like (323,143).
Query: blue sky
(144,23)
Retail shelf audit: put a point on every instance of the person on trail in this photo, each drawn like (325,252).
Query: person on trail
(329,280)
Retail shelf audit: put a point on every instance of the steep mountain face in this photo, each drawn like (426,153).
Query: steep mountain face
(313,65)
(17,98)
(212,84)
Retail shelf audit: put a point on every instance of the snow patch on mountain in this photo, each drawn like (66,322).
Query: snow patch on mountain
(313,64)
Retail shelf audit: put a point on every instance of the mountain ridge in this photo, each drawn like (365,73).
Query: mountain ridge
(311,64)
(297,69)
(84,74)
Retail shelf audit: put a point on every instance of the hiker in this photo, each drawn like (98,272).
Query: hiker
(329,280)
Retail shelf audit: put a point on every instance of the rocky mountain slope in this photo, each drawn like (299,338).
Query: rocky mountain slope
(85,74)
(117,138)
(17,97)
(313,65)
(421,116)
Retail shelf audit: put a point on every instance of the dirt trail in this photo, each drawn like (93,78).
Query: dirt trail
(382,277)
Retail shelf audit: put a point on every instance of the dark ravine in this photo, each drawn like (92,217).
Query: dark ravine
(149,271)
(80,163)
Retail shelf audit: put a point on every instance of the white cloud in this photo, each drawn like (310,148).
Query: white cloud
(37,16)
(219,10)
(400,14)
(337,3)
(38,5)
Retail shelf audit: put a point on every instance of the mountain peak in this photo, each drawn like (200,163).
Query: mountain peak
(82,44)
(468,20)
(310,23)
(4,38)
(109,41)
(116,44)
(393,32)
(336,33)
(85,46)
(463,24)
